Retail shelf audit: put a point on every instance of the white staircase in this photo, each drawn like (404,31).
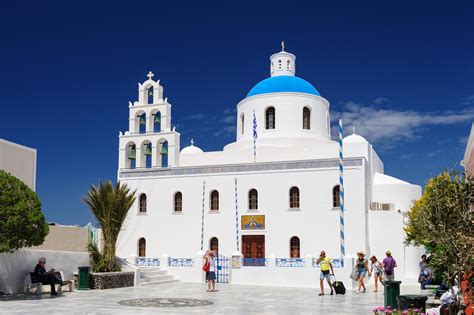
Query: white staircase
(155,275)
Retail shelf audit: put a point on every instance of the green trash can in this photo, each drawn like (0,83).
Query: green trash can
(412,301)
(391,292)
(83,275)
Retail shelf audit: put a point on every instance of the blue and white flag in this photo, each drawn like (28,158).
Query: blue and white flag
(254,137)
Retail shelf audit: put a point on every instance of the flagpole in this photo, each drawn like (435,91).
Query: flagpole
(341,195)
(254,125)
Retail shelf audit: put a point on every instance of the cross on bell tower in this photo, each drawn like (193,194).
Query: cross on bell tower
(150,75)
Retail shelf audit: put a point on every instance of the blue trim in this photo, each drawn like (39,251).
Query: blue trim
(283,83)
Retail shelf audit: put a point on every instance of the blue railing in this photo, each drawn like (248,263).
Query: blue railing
(336,263)
(290,262)
(180,262)
(147,262)
(255,262)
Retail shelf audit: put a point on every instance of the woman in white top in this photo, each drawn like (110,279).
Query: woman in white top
(378,266)
(211,274)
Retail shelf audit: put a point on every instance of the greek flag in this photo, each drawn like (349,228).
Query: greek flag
(254,137)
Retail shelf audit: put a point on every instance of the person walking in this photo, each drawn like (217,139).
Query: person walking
(362,267)
(378,273)
(389,265)
(325,264)
(210,269)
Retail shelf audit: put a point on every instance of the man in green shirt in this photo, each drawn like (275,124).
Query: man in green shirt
(325,264)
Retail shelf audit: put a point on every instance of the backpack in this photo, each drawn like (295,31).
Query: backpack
(206,266)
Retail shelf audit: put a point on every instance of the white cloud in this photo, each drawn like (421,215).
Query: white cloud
(381,100)
(230,119)
(225,131)
(388,126)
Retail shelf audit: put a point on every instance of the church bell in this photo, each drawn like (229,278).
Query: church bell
(148,149)
(164,150)
(132,153)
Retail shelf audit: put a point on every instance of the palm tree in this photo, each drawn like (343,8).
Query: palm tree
(110,205)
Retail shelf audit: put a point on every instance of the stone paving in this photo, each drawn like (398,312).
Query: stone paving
(230,299)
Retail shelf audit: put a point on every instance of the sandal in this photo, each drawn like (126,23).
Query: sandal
(332,292)
(321,294)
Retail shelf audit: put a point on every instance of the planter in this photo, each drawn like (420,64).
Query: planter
(110,280)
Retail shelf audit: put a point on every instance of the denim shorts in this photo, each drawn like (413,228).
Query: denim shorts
(327,276)
(210,275)
(361,272)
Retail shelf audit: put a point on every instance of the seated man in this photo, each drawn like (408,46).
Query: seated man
(50,277)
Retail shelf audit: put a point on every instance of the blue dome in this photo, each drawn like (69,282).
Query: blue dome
(283,83)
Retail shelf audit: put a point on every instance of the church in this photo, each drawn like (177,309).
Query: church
(269,202)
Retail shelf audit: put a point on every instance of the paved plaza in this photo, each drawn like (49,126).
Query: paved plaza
(230,299)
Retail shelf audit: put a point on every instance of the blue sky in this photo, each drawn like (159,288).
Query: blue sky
(401,72)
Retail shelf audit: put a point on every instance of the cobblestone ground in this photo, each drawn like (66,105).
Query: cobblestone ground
(230,299)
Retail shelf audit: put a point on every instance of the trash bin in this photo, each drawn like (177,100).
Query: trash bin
(83,278)
(412,301)
(391,292)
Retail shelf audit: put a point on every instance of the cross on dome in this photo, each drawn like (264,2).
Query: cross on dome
(282,45)
(150,75)
(192,141)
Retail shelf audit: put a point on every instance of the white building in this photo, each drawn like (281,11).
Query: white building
(20,161)
(278,209)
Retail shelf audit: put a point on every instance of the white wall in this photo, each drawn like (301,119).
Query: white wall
(13,266)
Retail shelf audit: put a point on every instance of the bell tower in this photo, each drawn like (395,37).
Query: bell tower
(150,141)
(282,63)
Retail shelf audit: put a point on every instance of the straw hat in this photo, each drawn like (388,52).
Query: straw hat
(388,253)
(361,253)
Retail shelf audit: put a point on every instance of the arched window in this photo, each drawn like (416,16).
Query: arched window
(142,203)
(178,202)
(141,123)
(156,122)
(215,200)
(214,244)
(242,126)
(270,118)
(164,154)
(142,247)
(253,199)
(132,155)
(149,94)
(336,197)
(295,247)
(306,118)
(147,154)
(294,198)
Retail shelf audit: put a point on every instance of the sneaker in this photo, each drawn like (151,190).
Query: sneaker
(321,294)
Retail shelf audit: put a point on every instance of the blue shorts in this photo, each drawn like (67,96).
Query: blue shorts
(361,272)
(323,275)
(210,275)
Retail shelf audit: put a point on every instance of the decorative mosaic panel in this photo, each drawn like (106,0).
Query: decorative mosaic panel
(238,168)
(147,262)
(253,222)
(180,262)
(255,262)
(336,263)
(290,262)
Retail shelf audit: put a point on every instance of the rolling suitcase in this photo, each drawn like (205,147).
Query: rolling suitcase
(339,287)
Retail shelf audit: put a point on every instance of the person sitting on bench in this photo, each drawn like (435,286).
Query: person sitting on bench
(47,277)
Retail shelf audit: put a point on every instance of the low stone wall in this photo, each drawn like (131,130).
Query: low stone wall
(109,280)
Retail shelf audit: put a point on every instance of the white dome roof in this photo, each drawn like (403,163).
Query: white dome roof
(191,150)
(353,138)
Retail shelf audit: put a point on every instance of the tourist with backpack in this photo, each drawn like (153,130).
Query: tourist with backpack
(209,268)
(389,265)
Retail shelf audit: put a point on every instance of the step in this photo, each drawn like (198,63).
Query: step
(159,282)
(156,278)
(151,273)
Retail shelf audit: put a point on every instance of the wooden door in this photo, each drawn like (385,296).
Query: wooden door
(253,246)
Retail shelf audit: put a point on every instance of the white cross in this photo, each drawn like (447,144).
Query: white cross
(150,75)
(353,130)
(192,141)
(283,45)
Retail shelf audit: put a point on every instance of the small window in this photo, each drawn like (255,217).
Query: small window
(142,247)
(215,200)
(242,125)
(288,64)
(279,64)
(178,202)
(295,247)
(294,198)
(214,244)
(253,199)
(142,206)
(306,118)
(336,196)
(270,118)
